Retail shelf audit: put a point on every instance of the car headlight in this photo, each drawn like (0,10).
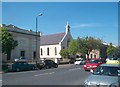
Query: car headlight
(87,82)
(94,66)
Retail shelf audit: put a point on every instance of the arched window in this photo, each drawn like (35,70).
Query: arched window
(47,51)
(41,51)
(55,51)
(68,41)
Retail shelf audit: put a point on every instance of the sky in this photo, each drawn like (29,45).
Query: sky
(96,19)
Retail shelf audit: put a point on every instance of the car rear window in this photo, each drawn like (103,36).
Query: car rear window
(94,61)
(107,70)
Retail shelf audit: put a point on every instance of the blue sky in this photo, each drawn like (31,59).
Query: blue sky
(96,19)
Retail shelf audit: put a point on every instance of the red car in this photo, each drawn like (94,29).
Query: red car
(93,64)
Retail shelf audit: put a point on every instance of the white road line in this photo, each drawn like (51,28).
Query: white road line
(74,69)
(0,80)
(52,73)
(44,74)
(41,74)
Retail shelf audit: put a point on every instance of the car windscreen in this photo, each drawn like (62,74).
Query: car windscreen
(107,71)
(94,61)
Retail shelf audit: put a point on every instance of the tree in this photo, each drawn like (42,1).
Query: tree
(73,47)
(64,53)
(110,50)
(8,43)
(87,44)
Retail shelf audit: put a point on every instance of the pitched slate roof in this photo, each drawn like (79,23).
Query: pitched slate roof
(51,39)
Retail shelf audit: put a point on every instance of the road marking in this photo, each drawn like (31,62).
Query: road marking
(52,73)
(0,80)
(41,74)
(74,69)
(44,74)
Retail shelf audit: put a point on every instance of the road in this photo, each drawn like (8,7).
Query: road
(63,75)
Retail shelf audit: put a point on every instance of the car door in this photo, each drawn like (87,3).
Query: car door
(26,66)
(17,66)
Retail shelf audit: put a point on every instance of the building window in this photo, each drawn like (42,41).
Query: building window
(94,56)
(68,41)
(63,47)
(22,53)
(91,55)
(55,51)
(41,51)
(34,54)
(47,51)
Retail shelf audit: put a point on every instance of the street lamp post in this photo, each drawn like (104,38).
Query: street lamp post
(37,35)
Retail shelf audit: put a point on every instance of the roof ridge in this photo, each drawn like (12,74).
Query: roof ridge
(54,34)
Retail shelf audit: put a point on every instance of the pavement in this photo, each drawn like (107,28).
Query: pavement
(1,72)
(60,65)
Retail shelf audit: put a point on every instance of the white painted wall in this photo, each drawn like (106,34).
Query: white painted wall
(51,51)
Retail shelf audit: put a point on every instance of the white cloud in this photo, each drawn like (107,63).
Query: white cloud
(83,25)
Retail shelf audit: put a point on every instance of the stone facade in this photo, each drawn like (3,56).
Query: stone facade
(26,43)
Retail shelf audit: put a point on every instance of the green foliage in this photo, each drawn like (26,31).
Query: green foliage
(110,49)
(64,53)
(87,44)
(8,43)
(73,47)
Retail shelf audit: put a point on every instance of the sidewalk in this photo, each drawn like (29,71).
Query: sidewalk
(1,72)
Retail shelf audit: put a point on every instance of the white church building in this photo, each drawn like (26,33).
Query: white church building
(50,45)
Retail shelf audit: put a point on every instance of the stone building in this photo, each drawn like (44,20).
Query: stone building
(26,43)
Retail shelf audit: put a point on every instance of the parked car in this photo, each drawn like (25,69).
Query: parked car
(72,61)
(47,64)
(21,59)
(93,64)
(77,61)
(21,66)
(115,61)
(106,75)
(4,66)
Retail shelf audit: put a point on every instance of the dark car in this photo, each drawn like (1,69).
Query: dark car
(21,66)
(47,64)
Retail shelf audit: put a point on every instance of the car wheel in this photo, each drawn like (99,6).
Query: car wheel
(47,67)
(56,66)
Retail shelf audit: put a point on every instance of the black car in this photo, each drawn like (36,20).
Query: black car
(21,66)
(47,64)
